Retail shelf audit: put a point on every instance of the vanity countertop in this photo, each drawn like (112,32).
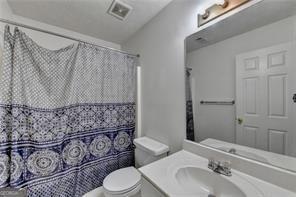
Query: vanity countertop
(162,175)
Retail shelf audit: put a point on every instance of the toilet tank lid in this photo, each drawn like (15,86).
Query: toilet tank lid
(151,146)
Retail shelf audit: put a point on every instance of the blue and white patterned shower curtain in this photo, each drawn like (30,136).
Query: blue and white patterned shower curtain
(67,117)
(189,108)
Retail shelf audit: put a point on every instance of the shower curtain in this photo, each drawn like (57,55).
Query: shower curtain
(189,110)
(67,117)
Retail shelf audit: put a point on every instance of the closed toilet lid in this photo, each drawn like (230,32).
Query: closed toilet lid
(122,180)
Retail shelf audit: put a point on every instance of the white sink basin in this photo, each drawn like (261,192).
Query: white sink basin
(203,182)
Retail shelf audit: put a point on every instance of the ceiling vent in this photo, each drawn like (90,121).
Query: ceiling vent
(119,9)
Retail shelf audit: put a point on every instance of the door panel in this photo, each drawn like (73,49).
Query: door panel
(277,141)
(277,95)
(251,93)
(250,136)
(276,59)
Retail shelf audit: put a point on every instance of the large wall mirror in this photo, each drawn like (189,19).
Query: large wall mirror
(241,84)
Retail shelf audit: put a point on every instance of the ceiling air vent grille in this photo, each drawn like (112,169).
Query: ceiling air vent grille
(119,9)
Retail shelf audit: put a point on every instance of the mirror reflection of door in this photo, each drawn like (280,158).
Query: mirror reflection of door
(264,91)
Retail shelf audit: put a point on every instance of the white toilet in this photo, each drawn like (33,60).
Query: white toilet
(126,182)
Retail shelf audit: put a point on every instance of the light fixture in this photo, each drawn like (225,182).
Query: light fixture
(218,9)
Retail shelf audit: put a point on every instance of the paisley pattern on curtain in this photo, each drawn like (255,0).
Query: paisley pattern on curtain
(67,117)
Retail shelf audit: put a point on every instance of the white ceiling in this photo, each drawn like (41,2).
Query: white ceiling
(89,17)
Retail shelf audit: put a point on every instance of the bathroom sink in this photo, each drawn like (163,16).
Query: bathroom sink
(206,183)
(185,174)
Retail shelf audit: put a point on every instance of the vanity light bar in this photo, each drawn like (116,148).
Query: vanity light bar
(217,10)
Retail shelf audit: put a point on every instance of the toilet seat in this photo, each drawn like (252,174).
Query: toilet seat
(123,194)
(125,181)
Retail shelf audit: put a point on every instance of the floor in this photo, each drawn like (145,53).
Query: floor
(98,192)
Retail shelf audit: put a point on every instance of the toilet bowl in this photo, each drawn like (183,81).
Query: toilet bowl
(126,182)
(122,182)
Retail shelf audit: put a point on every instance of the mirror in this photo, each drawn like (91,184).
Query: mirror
(241,84)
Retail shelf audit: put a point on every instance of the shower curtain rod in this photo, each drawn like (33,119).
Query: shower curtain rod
(62,36)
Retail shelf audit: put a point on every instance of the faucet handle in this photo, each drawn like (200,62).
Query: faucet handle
(213,163)
(211,160)
(226,165)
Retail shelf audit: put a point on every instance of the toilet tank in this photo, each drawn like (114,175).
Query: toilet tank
(148,150)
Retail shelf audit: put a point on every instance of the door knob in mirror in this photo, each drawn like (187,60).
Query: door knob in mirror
(239,120)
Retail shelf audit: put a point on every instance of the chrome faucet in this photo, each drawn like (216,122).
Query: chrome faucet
(220,167)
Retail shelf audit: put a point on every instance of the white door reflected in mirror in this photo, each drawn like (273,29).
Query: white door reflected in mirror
(264,87)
